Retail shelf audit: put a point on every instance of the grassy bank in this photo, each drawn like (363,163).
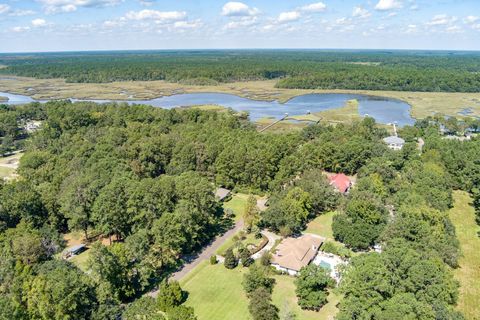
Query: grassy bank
(468,274)
(3,99)
(423,103)
(348,114)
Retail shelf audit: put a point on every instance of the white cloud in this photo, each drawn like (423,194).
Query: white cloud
(454,29)
(411,28)
(39,23)
(315,7)
(238,9)
(289,16)
(56,6)
(113,23)
(384,5)
(359,12)
(21,13)
(441,20)
(471,19)
(244,22)
(20,29)
(159,16)
(187,24)
(4,8)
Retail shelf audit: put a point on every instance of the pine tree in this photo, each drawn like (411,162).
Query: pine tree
(230,259)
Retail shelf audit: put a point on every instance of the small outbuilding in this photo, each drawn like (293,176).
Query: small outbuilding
(73,251)
(221,194)
(394,142)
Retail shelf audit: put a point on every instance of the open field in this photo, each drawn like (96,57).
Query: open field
(423,103)
(322,225)
(217,293)
(8,166)
(237,204)
(468,274)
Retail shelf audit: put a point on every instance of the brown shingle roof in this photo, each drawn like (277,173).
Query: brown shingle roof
(295,253)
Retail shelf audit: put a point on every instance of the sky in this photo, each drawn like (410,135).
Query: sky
(80,25)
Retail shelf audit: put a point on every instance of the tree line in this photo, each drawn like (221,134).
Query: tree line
(307,69)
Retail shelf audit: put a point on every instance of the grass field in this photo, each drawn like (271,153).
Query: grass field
(8,165)
(423,103)
(237,203)
(468,274)
(322,225)
(216,293)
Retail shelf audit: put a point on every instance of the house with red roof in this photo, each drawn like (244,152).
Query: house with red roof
(340,182)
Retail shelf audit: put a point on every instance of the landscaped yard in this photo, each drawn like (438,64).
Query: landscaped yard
(468,274)
(322,225)
(249,239)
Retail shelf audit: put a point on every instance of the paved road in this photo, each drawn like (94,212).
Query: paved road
(206,253)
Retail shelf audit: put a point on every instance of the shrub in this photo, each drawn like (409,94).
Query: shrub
(230,259)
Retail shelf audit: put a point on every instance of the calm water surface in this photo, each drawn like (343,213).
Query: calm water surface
(384,110)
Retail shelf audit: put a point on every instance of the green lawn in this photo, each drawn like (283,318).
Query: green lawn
(322,225)
(216,293)
(468,274)
(81,260)
(284,298)
(6,172)
(237,203)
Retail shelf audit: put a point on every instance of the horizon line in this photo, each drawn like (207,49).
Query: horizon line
(239,49)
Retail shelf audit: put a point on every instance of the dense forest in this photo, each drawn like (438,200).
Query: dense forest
(306,69)
(145,177)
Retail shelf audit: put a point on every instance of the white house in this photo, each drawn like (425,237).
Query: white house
(394,142)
